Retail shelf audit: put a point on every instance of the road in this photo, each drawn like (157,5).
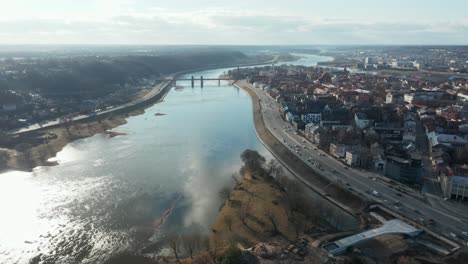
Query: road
(394,196)
(154,91)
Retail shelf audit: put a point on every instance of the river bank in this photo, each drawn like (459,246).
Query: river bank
(342,198)
(31,149)
(35,148)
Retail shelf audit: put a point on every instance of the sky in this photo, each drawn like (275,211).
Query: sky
(234,22)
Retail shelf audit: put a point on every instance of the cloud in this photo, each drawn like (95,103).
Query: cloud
(222,26)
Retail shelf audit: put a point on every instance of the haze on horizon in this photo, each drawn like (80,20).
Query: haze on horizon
(259,22)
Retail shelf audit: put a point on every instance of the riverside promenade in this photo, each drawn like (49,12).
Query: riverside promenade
(301,171)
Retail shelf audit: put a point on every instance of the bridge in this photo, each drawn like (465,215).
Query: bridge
(394,226)
(201,79)
(174,79)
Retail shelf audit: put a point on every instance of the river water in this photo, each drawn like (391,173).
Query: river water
(109,195)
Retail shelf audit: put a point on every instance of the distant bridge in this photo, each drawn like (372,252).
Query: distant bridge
(193,79)
(201,79)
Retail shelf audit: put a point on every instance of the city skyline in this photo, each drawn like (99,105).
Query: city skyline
(242,22)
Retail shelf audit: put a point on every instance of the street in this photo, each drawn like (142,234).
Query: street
(446,216)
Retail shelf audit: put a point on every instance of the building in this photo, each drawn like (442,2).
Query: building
(455,187)
(352,158)
(394,98)
(323,137)
(311,118)
(338,150)
(362,121)
(403,170)
(445,142)
(389,133)
(290,117)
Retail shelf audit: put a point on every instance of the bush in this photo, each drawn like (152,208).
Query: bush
(232,256)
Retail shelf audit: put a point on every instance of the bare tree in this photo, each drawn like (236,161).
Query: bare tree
(294,194)
(274,169)
(211,250)
(236,178)
(192,242)
(297,223)
(244,211)
(174,243)
(225,193)
(253,162)
(272,218)
(228,221)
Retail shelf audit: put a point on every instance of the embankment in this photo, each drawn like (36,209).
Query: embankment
(35,148)
(346,200)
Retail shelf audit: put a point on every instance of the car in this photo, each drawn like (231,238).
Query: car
(417,211)
(399,194)
(465,234)
(334,171)
(376,193)
(345,168)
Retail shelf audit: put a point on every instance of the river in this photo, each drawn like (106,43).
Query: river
(109,195)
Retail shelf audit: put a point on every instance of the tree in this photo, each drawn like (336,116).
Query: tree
(233,255)
(274,169)
(211,250)
(225,193)
(5,137)
(244,211)
(192,242)
(4,157)
(272,218)
(294,194)
(228,221)
(235,177)
(174,243)
(297,223)
(253,161)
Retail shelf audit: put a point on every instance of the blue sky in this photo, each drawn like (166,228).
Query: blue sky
(255,22)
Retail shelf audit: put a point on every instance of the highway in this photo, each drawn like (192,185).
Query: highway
(394,196)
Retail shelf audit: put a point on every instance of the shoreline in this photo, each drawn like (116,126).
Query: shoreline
(349,202)
(33,154)
(38,147)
